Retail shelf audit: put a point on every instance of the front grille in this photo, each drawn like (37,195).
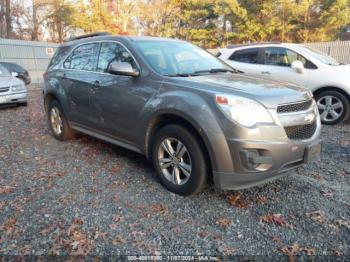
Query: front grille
(301,132)
(296,107)
(4,89)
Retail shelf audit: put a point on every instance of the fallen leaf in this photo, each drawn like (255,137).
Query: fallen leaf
(6,189)
(158,208)
(236,201)
(262,200)
(308,251)
(223,222)
(118,240)
(115,169)
(290,250)
(343,223)
(276,219)
(317,216)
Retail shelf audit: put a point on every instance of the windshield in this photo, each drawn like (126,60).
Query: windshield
(179,58)
(323,58)
(4,71)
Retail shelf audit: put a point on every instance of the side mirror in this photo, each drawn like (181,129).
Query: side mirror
(123,69)
(298,67)
(14,74)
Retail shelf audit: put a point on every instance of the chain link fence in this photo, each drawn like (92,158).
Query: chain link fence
(34,56)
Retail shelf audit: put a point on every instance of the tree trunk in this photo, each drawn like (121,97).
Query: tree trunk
(35,33)
(2,19)
(8,19)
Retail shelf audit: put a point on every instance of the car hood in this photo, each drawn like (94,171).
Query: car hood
(342,68)
(9,81)
(269,93)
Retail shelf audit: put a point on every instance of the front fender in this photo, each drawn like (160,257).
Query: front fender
(196,111)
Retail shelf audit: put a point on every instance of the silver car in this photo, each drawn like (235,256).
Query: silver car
(12,90)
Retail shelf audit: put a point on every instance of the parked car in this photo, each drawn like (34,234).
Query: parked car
(22,73)
(194,116)
(12,90)
(328,79)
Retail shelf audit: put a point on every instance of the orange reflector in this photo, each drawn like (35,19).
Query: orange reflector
(221,100)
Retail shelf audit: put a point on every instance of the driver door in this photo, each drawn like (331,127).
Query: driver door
(116,101)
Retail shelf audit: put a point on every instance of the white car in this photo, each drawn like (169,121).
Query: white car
(328,80)
(12,90)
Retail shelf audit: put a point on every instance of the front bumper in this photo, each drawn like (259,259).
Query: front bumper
(13,98)
(278,159)
(265,152)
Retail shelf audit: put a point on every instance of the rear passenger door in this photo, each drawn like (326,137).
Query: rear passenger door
(247,60)
(78,76)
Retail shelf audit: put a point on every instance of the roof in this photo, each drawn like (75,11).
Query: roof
(106,36)
(260,44)
(253,44)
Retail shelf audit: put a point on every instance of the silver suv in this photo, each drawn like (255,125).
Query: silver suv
(195,117)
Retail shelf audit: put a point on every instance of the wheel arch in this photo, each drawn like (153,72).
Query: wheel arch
(48,98)
(331,88)
(167,118)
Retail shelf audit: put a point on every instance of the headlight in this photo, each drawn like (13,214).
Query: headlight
(244,111)
(16,88)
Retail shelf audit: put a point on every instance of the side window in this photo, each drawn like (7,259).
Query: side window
(82,58)
(249,55)
(60,53)
(280,56)
(113,52)
(277,56)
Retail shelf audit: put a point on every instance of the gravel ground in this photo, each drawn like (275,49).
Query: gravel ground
(90,197)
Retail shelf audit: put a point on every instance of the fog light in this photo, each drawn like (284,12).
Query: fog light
(252,159)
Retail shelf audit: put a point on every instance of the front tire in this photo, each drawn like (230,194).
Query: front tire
(179,160)
(333,107)
(58,122)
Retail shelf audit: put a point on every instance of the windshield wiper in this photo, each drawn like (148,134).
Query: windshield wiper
(214,70)
(210,71)
(180,75)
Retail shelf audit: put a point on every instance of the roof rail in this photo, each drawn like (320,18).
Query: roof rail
(253,44)
(88,35)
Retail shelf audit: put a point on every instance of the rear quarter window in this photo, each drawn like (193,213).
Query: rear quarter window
(249,55)
(59,55)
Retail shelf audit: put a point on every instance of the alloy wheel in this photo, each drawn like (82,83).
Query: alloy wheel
(174,161)
(56,121)
(330,107)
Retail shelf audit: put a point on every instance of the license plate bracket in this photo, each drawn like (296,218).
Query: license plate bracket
(3,99)
(312,152)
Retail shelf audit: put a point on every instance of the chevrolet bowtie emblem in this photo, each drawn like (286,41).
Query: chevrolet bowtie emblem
(309,118)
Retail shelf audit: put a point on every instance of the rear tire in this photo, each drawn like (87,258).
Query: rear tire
(58,122)
(179,160)
(333,107)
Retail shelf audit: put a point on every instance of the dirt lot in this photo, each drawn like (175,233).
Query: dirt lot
(89,197)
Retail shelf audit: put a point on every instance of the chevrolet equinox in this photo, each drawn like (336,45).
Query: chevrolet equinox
(195,117)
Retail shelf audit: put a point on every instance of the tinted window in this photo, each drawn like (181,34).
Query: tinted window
(113,52)
(82,58)
(59,55)
(284,57)
(13,67)
(4,72)
(250,55)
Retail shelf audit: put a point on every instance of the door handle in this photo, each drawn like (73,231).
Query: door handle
(96,84)
(265,73)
